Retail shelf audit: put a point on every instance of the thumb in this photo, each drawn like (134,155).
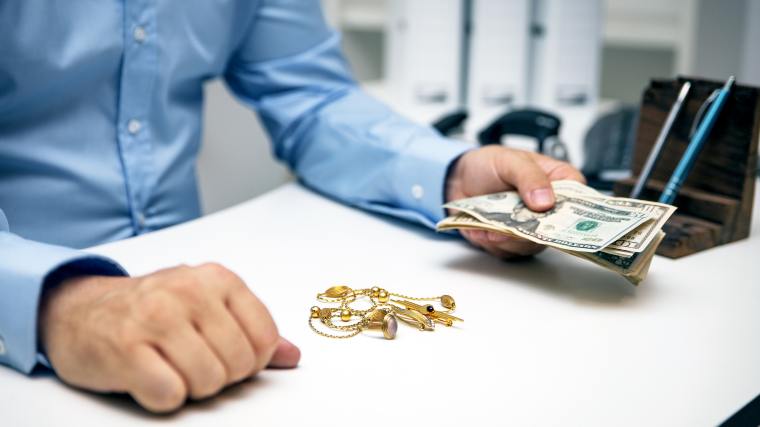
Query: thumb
(521,171)
(286,355)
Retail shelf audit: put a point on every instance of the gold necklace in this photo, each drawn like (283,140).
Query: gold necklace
(382,313)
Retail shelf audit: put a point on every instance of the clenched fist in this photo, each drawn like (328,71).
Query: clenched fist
(495,168)
(177,333)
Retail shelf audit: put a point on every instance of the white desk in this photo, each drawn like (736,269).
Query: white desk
(552,341)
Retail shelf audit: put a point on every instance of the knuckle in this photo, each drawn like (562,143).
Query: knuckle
(236,286)
(568,169)
(269,338)
(215,269)
(243,367)
(518,157)
(186,288)
(215,380)
(222,277)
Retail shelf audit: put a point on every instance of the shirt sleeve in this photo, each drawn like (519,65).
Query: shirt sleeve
(26,267)
(337,139)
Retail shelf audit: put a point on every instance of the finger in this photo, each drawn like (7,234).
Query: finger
(557,169)
(511,252)
(285,356)
(475,236)
(187,351)
(253,317)
(494,237)
(519,247)
(153,382)
(228,341)
(519,169)
(502,245)
(499,253)
(257,323)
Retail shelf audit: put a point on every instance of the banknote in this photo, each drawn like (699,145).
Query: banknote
(629,253)
(465,221)
(639,238)
(632,266)
(576,222)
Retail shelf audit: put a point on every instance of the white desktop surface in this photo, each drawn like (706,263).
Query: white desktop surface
(550,341)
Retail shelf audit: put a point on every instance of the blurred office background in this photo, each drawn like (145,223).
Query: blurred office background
(576,58)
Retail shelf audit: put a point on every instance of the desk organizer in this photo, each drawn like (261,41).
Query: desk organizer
(715,202)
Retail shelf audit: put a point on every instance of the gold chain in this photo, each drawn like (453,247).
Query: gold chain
(415,298)
(358,325)
(324,334)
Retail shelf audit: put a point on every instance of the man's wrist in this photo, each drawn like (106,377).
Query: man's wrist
(453,183)
(63,301)
(62,286)
(452,179)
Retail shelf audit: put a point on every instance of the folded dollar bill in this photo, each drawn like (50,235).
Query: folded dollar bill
(616,233)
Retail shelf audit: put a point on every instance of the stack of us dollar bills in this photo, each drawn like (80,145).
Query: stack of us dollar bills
(616,233)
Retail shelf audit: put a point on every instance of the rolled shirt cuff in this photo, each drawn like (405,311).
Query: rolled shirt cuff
(3,222)
(419,179)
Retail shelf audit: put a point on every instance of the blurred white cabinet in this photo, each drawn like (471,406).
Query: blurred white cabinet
(498,60)
(567,53)
(370,15)
(423,56)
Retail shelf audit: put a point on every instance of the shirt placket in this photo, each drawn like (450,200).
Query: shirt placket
(138,75)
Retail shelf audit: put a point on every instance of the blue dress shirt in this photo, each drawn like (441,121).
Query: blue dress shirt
(100,115)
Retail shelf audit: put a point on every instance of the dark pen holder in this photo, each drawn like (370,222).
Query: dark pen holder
(715,202)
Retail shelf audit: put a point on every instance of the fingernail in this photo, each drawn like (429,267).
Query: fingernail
(542,197)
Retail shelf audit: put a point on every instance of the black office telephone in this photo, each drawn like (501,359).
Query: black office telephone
(540,125)
(608,148)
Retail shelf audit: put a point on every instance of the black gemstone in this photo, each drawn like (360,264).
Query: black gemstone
(430,309)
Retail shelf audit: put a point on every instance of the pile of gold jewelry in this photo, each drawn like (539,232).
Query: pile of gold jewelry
(381,312)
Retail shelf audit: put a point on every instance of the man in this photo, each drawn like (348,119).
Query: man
(100,105)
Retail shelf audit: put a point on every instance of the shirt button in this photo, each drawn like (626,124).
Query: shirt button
(417,191)
(2,346)
(141,220)
(139,34)
(134,126)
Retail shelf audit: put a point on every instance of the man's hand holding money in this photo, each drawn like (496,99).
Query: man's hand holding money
(495,168)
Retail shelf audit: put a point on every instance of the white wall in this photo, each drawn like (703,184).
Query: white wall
(236,161)
(720,38)
(750,72)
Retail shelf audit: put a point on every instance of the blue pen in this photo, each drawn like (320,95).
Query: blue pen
(695,145)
